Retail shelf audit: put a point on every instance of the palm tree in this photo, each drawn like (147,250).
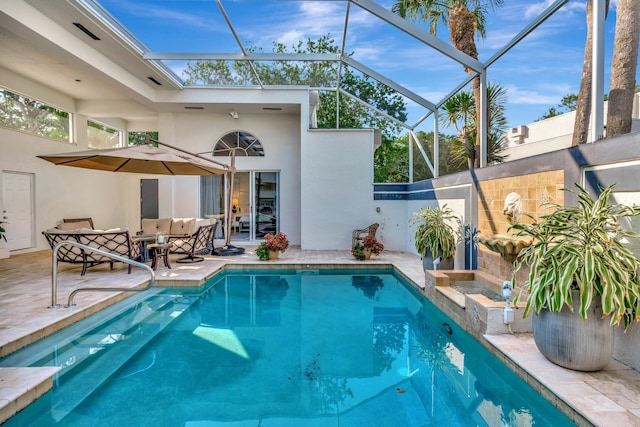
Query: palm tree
(623,68)
(464,18)
(459,112)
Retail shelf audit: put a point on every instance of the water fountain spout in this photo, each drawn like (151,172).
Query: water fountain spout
(507,246)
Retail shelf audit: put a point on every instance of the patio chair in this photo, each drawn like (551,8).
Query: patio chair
(194,245)
(116,241)
(82,220)
(359,235)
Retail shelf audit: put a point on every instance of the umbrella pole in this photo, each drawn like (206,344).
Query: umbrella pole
(228,249)
(232,174)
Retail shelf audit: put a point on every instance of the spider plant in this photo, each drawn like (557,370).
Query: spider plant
(582,248)
(435,232)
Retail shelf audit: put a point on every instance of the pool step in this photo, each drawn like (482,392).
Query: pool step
(121,331)
(112,349)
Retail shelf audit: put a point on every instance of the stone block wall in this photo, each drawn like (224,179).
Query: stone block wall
(535,190)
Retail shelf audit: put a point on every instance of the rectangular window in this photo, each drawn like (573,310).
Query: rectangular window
(137,138)
(102,136)
(28,115)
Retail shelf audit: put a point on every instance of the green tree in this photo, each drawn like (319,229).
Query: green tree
(28,115)
(446,162)
(352,114)
(568,103)
(459,112)
(138,138)
(313,74)
(464,18)
(391,159)
(389,164)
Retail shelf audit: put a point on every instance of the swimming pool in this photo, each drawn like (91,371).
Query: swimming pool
(278,348)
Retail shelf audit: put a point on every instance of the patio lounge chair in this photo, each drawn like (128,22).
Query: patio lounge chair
(194,245)
(359,235)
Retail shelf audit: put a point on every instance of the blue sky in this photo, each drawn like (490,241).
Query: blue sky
(537,73)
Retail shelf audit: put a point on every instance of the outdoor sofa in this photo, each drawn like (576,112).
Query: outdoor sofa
(116,241)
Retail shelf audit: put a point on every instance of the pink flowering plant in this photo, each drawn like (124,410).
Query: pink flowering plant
(278,242)
(372,242)
(367,243)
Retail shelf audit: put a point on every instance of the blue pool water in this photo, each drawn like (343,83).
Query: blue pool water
(278,349)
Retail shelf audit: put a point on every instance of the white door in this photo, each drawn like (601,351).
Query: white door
(17,209)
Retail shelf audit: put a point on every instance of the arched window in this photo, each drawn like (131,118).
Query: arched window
(244,144)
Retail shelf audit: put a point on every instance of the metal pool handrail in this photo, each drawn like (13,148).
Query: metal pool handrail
(54,274)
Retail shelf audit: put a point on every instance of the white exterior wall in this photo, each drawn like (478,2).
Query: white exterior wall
(280,138)
(393,224)
(113,200)
(337,182)
(62,192)
(326,176)
(552,134)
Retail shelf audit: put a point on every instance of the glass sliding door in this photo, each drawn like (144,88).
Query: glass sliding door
(241,212)
(255,204)
(266,203)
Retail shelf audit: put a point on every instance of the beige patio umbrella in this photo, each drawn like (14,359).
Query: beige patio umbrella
(145,159)
(149,159)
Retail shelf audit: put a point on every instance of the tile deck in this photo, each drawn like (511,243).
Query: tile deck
(608,397)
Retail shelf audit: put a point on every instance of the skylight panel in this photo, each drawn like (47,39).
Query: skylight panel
(175,25)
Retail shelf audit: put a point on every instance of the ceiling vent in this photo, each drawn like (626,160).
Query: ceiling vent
(86,31)
(155,81)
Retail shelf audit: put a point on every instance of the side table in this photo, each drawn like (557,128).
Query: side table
(159,251)
(145,241)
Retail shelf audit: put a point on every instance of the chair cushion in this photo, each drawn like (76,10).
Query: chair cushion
(200,222)
(183,226)
(151,225)
(73,225)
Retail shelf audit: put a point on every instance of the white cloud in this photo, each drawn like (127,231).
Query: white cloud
(550,96)
(536,8)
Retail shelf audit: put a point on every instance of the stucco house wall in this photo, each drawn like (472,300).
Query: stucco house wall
(336,179)
(552,134)
(325,175)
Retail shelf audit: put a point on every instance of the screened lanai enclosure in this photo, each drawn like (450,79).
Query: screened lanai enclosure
(357,55)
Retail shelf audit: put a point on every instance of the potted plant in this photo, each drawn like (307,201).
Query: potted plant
(580,274)
(435,236)
(272,245)
(4,252)
(369,246)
